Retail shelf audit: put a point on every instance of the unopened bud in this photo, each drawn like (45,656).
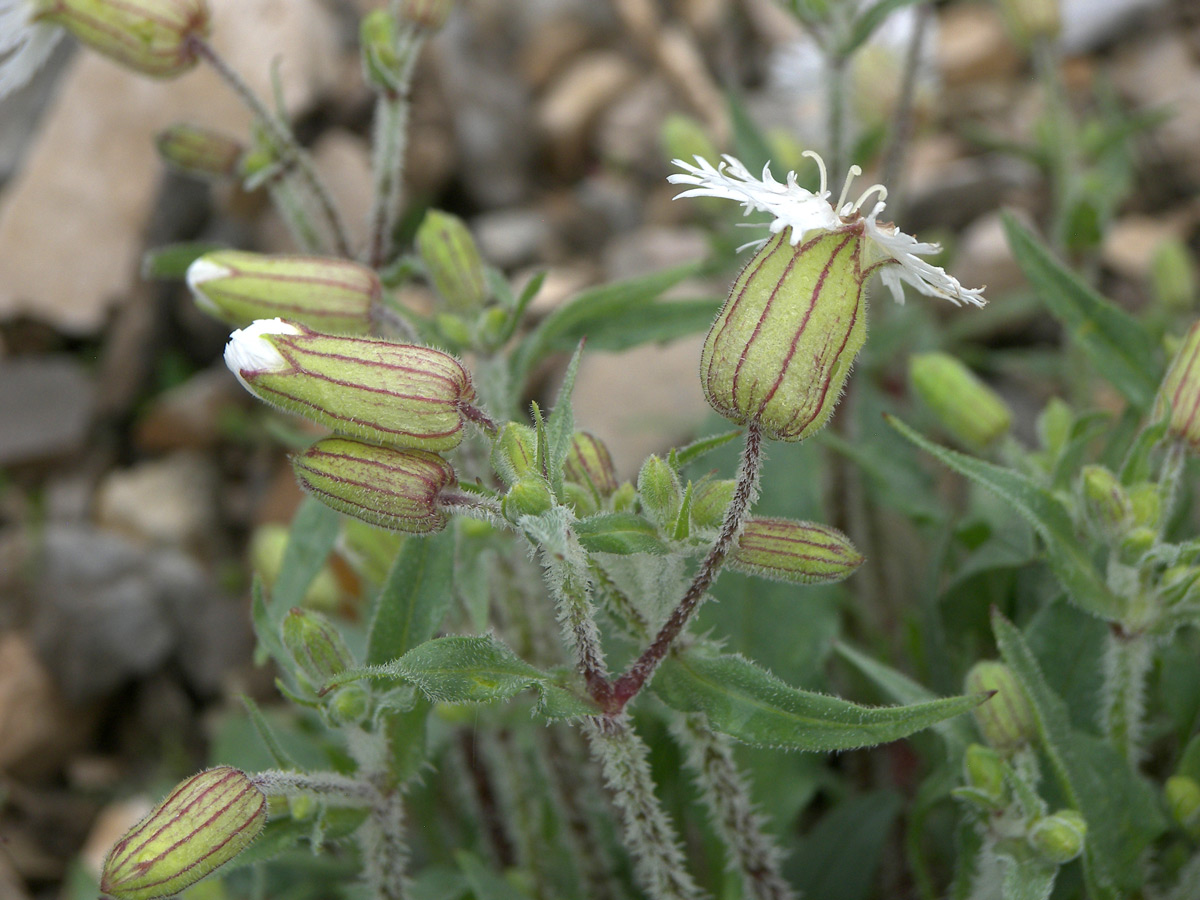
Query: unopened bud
(624,497)
(1006,720)
(590,465)
(581,499)
(529,496)
(453,329)
(798,552)
(316,646)
(394,489)
(1145,501)
(1183,800)
(660,491)
(331,295)
(1136,544)
(381,63)
(1179,394)
(452,260)
(967,408)
(514,454)
(199,152)
(348,704)
(984,771)
(153,37)
(1032,20)
(1105,501)
(1059,838)
(428,14)
(206,821)
(781,348)
(710,499)
(1173,276)
(397,394)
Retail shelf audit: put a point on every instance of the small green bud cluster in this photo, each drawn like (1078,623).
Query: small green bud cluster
(1179,395)
(320,654)
(204,823)
(1006,720)
(200,152)
(1058,838)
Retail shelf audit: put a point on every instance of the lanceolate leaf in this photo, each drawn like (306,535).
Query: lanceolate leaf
(415,598)
(314,529)
(560,426)
(622,533)
(1044,512)
(752,705)
(464,669)
(1116,343)
(1121,811)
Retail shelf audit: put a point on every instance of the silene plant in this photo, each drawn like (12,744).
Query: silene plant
(505,714)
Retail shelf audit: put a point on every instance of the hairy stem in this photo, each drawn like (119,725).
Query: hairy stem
(658,861)
(835,82)
(1127,661)
(331,787)
(744,494)
(902,118)
(384,852)
(751,850)
(281,135)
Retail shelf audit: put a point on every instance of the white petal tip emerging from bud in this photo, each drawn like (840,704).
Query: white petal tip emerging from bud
(248,349)
(201,271)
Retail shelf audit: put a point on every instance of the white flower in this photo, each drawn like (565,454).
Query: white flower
(249,351)
(891,252)
(25,44)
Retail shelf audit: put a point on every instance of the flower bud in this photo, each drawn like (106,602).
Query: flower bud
(1006,720)
(659,490)
(781,348)
(529,496)
(199,152)
(966,407)
(799,552)
(624,497)
(710,499)
(452,260)
(316,646)
(589,464)
(428,14)
(984,771)
(1058,839)
(205,822)
(397,394)
(348,704)
(581,499)
(1032,19)
(328,294)
(1183,800)
(377,35)
(1179,395)
(1136,544)
(1173,275)
(514,454)
(149,36)
(1105,501)
(1145,501)
(394,489)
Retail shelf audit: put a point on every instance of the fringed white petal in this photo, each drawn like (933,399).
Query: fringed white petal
(924,276)
(249,351)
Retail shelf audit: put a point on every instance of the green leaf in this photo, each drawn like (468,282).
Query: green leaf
(414,600)
(485,884)
(902,689)
(557,703)
(270,644)
(560,426)
(1120,809)
(1028,880)
(314,530)
(170,263)
(1115,342)
(594,310)
(753,706)
(864,26)
(466,669)
(278,755)
(658,322)
(682,456)
(1067,555)
(622,533)
(838,859)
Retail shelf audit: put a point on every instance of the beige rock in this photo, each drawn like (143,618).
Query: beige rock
(1163,74)
(168,502)
(584,91)
(188,416)
(1130,243)
(562,283)
(110,826)
(973,45)
(89,179)
(983,257)
(34,721)
(550,47)
(11,884)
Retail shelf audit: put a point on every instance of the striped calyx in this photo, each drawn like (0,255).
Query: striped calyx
(452,260)
(152,37)
(400,395)
(782,346)
(331,295)
(199,152)
(1006,721)
(1179,394)
(1105,501)
(315,645)
(394,489)
(205,822)
(514,453)
(967,408)
(590,465)
(798,552)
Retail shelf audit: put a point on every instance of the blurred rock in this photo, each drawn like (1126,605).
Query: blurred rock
(188,416)
(1131,242)
(569,109)
(107,610)
(344,161)
(653,248)
(20,110)
(1163,73)
(511,237)
(947,191)
(973,45)
(36,729)
(553,43)
(46,406)
(1088,24)
(110,826)
(983,257)
(562,283)
(169,502)
(628,134)
(11,886)
(94,156)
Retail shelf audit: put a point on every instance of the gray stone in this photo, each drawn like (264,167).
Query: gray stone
(46,405)
(511,237)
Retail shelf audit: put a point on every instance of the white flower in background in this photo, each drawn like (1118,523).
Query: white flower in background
(25,45)
(896,256)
